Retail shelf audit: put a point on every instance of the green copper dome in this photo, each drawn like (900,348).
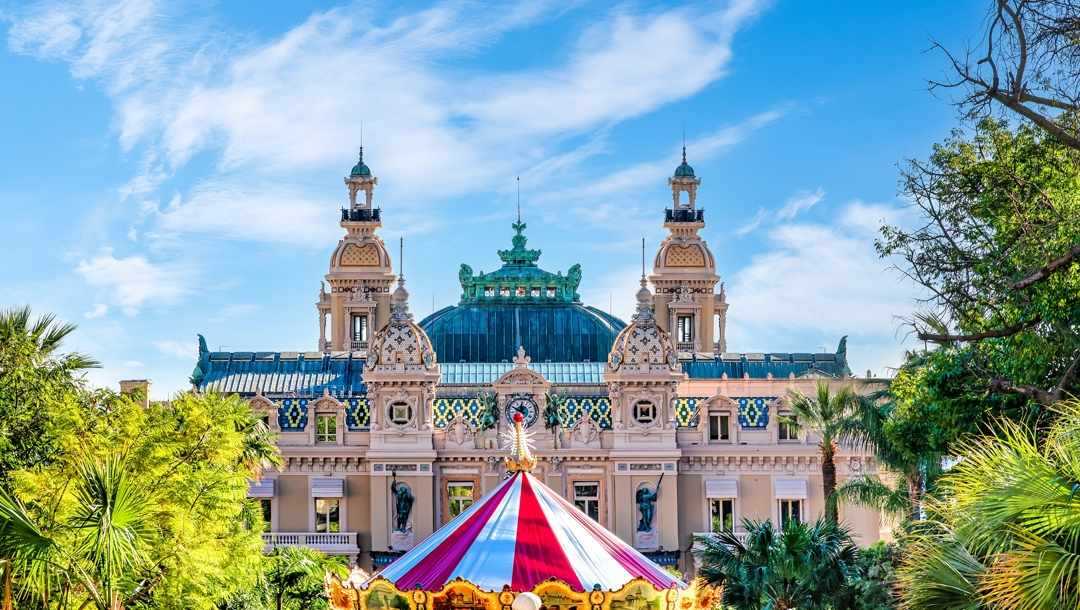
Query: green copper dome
(360,170)
(684,170)
(521,304)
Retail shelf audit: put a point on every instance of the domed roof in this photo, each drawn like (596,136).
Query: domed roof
(643,346)
(684,170)
(549,332)
(402,342)
(360,170)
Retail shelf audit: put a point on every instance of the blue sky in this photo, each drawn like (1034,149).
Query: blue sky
(174,170)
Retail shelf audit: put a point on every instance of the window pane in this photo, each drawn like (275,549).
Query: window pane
(461,497)
(266,515)
(587,498)
(725,427)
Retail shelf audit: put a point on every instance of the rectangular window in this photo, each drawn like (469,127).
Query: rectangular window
(489,291)
(326,428)
(534,292)
(327,515)
(722,514)
(359,328)
(790,512)
(551,292)
(504,291)
(520,291)
(685,326)
(787,428)
(264,504)
(719,427)
(587,498)
(460,494)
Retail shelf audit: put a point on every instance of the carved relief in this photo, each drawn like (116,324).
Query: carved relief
(684,256)
(355,255)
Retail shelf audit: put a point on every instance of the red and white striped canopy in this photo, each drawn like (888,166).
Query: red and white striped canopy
(521,534)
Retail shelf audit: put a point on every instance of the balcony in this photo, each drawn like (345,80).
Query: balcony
(685,346)
(342,543)
(358,346)
(361,215)
(684,215)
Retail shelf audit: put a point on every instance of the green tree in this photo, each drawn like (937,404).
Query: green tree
(37,380)
(1005,529)
(296,577)
(835,417)
(189,461)
(996,252)
(805,566)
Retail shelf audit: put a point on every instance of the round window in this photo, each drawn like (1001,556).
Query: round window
(644,412)
(400,413)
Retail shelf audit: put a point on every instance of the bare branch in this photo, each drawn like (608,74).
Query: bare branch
(1048,269)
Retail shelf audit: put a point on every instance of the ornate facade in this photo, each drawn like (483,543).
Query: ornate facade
(392,427)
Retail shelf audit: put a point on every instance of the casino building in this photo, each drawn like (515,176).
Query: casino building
(392,426)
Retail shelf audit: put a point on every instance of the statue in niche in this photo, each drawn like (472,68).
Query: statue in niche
(646,502)
(403,503)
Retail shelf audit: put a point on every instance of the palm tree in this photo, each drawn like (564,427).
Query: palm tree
(804,566)
(905,453)
(834,417)
(1005,529)
(96,549)
(37,342)
(299,573)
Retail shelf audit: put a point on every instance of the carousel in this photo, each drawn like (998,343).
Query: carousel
(521,547)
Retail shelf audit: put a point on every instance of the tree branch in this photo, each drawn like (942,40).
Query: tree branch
(1007,331)
(1048,269)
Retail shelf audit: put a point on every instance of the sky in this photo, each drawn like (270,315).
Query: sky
(173,170)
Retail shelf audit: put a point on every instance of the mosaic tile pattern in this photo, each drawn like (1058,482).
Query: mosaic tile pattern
(293,414)
(686,411)
(597,408)
(444,410)
(754,412)
(357,413)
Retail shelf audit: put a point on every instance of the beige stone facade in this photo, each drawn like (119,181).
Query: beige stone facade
(383,442)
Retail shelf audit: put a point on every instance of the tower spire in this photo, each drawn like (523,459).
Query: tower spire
(642,261)
(519,199)
(401,258)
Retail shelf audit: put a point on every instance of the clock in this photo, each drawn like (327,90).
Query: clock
(524,405)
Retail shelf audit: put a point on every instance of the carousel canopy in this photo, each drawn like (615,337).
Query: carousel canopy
(521,534)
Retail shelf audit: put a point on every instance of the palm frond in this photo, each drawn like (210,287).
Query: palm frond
(874,493)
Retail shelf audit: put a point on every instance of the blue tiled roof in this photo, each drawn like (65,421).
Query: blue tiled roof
(302,374)
(758,366)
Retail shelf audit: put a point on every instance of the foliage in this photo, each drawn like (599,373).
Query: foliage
(834,417)
(185,536)
(36,380)
(995,252)
(295,577)
(1005,531)
(805,566)
(870,582)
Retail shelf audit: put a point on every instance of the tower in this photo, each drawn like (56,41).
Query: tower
(684,273)
(360,274)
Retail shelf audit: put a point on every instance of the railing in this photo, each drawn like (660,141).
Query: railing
(684,346)
(684,215)
(361,215)
(358,345)
(339,542)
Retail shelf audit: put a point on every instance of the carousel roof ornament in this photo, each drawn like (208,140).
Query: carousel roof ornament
(520,535)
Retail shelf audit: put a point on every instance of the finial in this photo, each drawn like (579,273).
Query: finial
(521,458)
(519,198)
(401,258)
(684,142)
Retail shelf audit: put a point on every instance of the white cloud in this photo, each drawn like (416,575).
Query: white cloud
(800,202)
(752,224)
(133,282)
(99,310)
(182,350)
(295,103)
(819,282)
